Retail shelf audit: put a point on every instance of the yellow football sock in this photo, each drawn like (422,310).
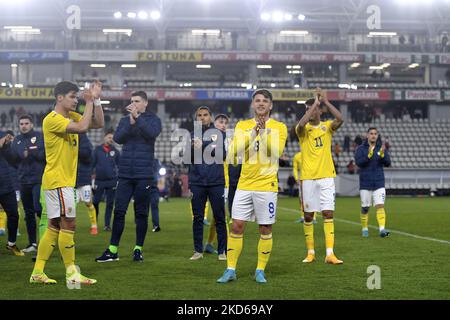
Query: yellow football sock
(328,228)
(364,220)
(212,231)
(92,214)
(264,249)
(235,244)
(381,218)
(67,247)
(19,211)
(46,245)
(308,228)
(2,219)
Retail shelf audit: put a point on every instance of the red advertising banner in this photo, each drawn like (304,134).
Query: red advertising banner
(282,57)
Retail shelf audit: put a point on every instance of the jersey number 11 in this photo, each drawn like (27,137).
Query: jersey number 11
(318,142)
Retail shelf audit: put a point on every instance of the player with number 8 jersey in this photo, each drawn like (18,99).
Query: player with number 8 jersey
(259,142)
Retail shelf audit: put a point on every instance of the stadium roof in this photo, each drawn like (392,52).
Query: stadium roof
(336,16)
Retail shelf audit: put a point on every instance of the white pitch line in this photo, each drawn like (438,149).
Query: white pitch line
(374,227)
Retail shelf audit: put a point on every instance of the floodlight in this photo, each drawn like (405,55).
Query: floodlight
(142,15)
(155,14)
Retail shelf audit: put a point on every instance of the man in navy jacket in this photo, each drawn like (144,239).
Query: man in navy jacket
(371,157)
(137,133)
(207,181)
(29,156)
(84,178)
(8,194)
(106,162)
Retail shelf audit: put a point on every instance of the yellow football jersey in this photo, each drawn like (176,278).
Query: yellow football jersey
(259,160)
(61,151)
(315,143)
(225,172)
(297,164)
(225,164)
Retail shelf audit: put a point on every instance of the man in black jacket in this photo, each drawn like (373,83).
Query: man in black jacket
(29,155)
(8,194)
(207,181)
(106,162)
(137,133)
(371,157)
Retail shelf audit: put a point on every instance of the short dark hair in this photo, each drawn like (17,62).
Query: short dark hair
(222,116)
(10,132)
(141,94)
(372,128)
(266,93)
(64,87)
(26,116)
(109,131)
(203,108)
(310,102)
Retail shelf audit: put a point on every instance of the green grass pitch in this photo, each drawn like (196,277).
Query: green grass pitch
(411,267)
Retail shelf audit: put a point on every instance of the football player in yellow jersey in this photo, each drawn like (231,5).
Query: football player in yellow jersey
(318,172)
(259,142)
(296,168)
(61,128)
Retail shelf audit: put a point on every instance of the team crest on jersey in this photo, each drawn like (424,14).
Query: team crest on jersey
(33,140)
(214,137)
(324,129)
(112,153)
(74,142)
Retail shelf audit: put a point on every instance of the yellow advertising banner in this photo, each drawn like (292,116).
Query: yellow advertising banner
(26,93)
(172,56)
(292,95)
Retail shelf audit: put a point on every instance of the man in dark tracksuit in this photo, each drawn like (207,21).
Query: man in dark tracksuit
(84,178)
(137,132)
(106,162)
(29,156)
(8,194)
(154,198)
(207,181)
(371,157)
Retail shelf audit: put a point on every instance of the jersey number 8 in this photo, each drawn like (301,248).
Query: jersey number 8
(271,210)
